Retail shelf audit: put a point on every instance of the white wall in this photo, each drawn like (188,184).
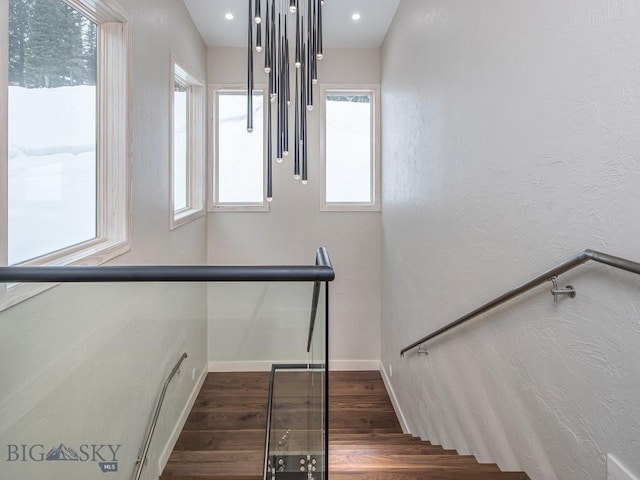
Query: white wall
(294,228)
(510,143)
(85,363)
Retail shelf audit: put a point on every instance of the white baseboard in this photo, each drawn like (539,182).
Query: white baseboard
(182,419)
(265,366)
(394,399)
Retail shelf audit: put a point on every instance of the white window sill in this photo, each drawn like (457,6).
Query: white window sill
(185,216)
(350,207)
(239,208)
(92,253)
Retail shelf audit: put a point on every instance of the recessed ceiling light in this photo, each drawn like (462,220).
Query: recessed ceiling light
(228,16)
(355,16)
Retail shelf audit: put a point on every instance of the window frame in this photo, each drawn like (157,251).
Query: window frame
(196,155)
(213,204)
(113,218)
(375,203)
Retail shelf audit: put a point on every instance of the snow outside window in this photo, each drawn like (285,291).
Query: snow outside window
(187,147)
(350,153)
(52,129)
(63,134)
(238,173)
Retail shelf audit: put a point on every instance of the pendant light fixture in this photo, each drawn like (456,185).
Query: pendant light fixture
(280,19)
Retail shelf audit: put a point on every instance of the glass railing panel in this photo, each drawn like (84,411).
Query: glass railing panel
(319,384)
(82,365)
(81,370)
(298,422)
(258,324)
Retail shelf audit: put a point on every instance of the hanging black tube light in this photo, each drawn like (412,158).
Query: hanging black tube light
(259,37)
(269,157)
(307,50)
(267,37)
(303,116)
(258,15)
(250,72)
(319,46)
(296,133)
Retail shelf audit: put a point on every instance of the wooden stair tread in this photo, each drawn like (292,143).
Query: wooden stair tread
(251,420)
(389,441)
(211,401)
(362,429)
(448,474)
(220,440)
(231,463)
(381,449)
(223,437)
(384,437)
(356,462)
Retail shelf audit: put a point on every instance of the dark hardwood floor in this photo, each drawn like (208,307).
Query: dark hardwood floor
(223,438)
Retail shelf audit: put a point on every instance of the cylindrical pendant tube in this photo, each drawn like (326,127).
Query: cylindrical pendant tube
(269,155)
(314,40)
(279,146)
(303,116)
(258,15)
(267,40)
(286,101)
(309,73)
(320,47)
(287,62)
(250,71)
(298,59)
(296,133)
(308,60)
(274,50)
(259,37)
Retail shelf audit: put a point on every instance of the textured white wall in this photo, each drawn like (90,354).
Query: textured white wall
(511,140)
(294,228)
(85,364)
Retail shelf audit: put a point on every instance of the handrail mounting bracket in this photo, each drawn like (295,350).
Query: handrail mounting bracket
(556,292)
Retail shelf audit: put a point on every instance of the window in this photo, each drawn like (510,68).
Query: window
(238,156)
(187,147)
(63,134)
(350,149)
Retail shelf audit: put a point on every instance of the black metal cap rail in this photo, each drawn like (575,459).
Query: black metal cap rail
(583,257)
(323,272)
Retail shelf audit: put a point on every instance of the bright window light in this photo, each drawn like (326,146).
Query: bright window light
(52,130)
(350,153)
(239,154)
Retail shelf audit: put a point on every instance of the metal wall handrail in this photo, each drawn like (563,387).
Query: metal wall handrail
(142,459)
(582,257)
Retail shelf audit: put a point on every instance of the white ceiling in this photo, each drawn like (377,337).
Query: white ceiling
(339,30)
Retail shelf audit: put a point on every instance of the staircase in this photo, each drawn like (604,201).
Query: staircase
(223,438)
